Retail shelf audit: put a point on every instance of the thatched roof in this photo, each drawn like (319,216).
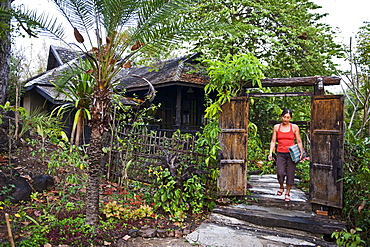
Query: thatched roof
(177,71)
(59,56)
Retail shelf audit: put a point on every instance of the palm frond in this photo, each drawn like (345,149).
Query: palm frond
(118,13)
(162,22)
(45,23)
(80,14)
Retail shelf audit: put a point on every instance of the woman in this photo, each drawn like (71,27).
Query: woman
(285,133)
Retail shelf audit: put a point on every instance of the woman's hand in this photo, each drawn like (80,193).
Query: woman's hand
(269,157)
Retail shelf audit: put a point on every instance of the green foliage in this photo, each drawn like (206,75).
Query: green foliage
(8,107)
(257,154)
(303,171)
(58,217)
(182,183)
(76,85)
(265,109)
(46,125)
(5,191)
(364,46)
(53,230)
(208,140)
(356,180)
(227,77)
(71,159)
(190,198)
(132,117)
(348,239)
(288,37)
(138,114)
(115,210)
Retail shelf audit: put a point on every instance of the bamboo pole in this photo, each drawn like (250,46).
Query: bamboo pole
(10,235)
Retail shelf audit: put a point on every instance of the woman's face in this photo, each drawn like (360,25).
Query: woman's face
(286,118)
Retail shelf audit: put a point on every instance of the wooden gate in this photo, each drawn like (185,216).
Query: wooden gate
(326,132)
(326,150)
(233,138)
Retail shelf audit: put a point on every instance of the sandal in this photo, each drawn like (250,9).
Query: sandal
(287,198)
(280,192)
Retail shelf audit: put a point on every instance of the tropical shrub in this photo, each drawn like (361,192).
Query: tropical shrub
(356,180)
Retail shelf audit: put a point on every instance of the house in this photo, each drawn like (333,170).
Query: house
(179,88)
(39,92)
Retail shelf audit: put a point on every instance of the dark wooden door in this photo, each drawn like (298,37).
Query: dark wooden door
(233,123)
(326,133)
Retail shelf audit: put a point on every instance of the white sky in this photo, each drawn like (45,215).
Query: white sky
(347,15)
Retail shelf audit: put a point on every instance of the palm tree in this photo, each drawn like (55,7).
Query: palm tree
(103,26)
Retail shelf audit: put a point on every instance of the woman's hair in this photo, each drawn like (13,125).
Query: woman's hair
(285,111)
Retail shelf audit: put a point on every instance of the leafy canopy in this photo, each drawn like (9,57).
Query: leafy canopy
(286,36)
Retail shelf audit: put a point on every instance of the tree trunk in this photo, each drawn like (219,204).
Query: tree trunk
(80,126)
(99,123)
(5,49)
(93,183)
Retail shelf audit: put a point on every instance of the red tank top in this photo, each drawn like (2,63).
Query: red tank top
(285,139)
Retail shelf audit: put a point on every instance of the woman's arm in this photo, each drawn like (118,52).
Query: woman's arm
(273,142)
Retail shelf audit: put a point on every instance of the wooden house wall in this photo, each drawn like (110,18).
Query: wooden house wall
(32,101)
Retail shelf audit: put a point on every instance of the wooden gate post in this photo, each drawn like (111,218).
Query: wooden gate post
(233,138)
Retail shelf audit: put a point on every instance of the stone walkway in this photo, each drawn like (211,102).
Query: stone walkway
(267,185)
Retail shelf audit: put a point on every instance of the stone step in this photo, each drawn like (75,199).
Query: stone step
(267,186)
(278,202)
(247,234)
(263,192)
(284,218)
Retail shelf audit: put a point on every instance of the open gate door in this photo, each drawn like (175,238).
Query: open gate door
(233,123)
(326,150)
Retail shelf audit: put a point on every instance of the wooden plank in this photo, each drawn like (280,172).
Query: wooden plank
(233,145)
(232,161)
(323,166)
(233,130)
(296,81)
(232,179)
(288,94)
(326,150)
(327,132)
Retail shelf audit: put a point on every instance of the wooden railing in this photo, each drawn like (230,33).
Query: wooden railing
(140,151)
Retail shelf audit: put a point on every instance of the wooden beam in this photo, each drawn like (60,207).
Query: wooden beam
(178,107)
(296,81)
(288,94)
